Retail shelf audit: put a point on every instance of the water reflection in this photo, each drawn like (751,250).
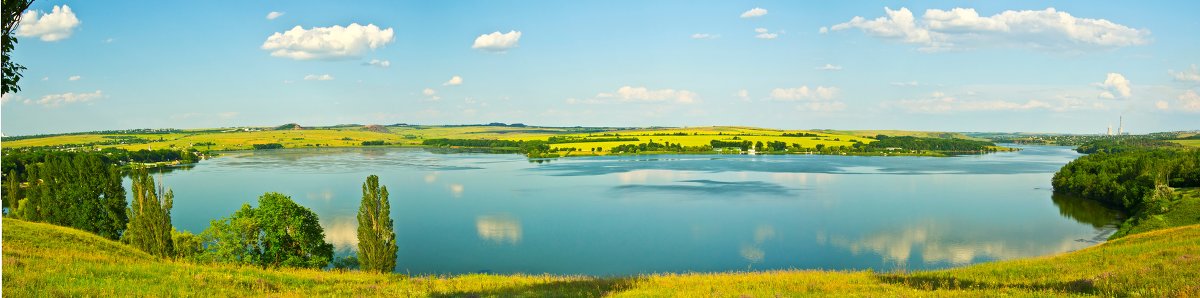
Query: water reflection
(1087,211)
(704,187)
(342,232)
(456,190)
(935,243)
(499,228)
(753,252)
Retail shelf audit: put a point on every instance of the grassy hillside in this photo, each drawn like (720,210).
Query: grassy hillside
(44,260)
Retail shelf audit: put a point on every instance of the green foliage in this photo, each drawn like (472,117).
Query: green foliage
(75,190)
(12,70)
(188,246)
(1123,144)
(268,146)
(1128,179)
(149,227)
(376,239)
(12,191)
(374,143)
(932,144)
(279,233)
(346,263)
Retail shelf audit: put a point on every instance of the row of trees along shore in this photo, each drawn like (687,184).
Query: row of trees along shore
(85,192)
(882,144)
(1134,175)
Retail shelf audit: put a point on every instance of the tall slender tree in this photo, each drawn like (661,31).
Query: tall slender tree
(376,238)
(150,217)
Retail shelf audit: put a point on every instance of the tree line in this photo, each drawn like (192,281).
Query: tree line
(85,192)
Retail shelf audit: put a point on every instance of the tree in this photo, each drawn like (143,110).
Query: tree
(376,238)
(76,190)
(279,233)
(149,227)
(12,17)
(12,192)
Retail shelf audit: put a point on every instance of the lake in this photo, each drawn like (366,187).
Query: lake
(501,213)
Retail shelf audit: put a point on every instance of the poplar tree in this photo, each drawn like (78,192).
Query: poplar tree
(376,238)
(149,226)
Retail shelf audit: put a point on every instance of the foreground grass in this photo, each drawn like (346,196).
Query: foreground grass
(44,260)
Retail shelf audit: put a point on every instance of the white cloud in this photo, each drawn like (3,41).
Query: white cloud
(743,94)
(496,41)
(110,40)
(313,77)
(6,97)
(754,13)
(379,63)
(54,26)
(74,78)
(939,102)
(335,42)
(55,100)
(1188,75)
(1190,101)
(274,15)
(705,36)
(1115,83)
(804,93)
(1162,105)
(645,95)
(764,34)
(454,81)
(964,28)
(829,67)
(906,84)
(431,94)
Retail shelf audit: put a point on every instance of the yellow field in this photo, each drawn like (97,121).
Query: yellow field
(414,135)
(1192,143)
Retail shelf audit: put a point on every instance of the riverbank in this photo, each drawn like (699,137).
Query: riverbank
(46,260)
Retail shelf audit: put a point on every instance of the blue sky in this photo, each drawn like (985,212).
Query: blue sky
(988,66)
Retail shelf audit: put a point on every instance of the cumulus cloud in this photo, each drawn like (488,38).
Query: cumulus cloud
(54,26)
(274,15)
(335,42)
(820,106)
(431,94)
(964,28)
(645,95)
(829,67)
(496,41)
(56,100)
(454,81)
(743,94)
(379,63)
(754,13)
(1190,101)
(704,36)
(939,102)
(763,33)
(74,78)
(1115,83)
(1162,105)
(6,97)
(804,93)
(313,77)
(1187,75)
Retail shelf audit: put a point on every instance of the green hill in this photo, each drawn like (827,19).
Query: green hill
(44,260)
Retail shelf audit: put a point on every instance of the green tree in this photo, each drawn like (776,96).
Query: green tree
(12,192)
(79,191)
(149,226)
(12,71)
(376,238)
(187,245)
(279,233)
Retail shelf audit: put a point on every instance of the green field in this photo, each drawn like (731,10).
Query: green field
(352,136)
(1192,143)
(44,260)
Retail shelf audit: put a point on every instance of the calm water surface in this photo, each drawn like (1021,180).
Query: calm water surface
(459,213)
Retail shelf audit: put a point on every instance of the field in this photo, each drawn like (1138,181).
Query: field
(1192,143)
(45,260)
(351,136)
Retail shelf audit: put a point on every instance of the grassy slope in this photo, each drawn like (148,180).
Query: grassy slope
(45,260)
(1185,211)
(1192,143)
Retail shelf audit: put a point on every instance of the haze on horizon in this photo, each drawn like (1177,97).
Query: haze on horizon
(1069,67)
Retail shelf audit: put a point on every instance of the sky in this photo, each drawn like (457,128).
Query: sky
(996,66)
